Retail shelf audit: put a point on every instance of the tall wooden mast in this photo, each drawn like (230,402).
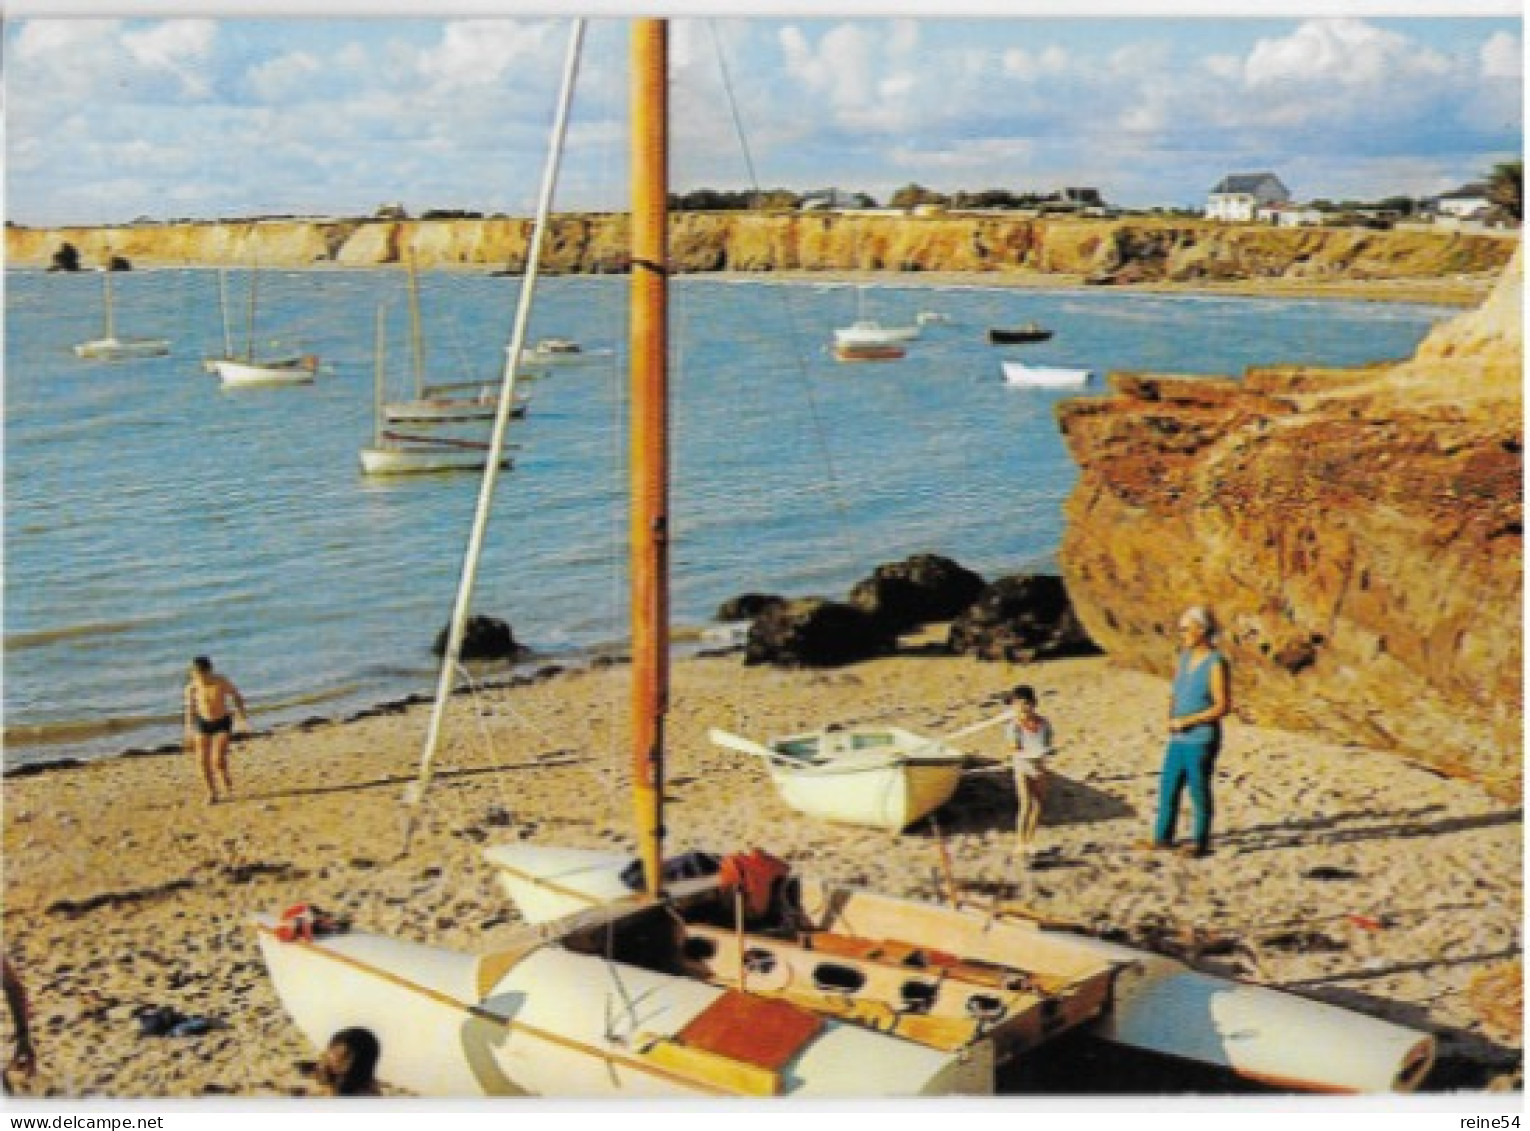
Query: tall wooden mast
(649,452)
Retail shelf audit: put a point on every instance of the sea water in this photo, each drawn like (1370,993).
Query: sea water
(152,515)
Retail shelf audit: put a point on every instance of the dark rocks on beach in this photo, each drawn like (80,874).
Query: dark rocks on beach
(814,632)
(483,638)
(747,606)
(923,588)
(1021,619)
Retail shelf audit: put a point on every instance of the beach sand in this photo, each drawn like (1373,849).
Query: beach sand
(1340,873)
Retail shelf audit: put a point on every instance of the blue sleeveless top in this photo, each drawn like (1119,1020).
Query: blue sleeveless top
(1192,695)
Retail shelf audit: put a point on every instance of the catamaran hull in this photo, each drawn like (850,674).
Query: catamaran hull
(559,1023)
(117,349)
(1258,1033)
(245,374)
(1158,1004)
(889,797)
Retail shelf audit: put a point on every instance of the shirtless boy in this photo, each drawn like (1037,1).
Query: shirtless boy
(210,723)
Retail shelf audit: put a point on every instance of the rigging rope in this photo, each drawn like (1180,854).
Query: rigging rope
(415,794)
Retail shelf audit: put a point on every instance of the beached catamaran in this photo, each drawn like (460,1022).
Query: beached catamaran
(746,980)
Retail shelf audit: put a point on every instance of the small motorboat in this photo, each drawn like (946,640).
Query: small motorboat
(1044,376)
(558,351)
(1018,335)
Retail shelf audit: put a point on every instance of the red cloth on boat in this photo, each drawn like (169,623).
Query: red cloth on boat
(756,873)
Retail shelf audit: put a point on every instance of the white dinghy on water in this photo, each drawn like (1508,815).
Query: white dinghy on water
(1020,375)
(610,1003)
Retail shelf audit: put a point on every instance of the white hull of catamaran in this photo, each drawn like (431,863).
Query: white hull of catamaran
(1261,1034)
(562,1024)
(1159,1004)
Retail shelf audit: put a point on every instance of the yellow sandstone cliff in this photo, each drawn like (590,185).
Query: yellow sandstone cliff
(1132,250)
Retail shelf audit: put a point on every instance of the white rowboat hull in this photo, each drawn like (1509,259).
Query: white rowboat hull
(874,777)
(1044,376)
(890,797)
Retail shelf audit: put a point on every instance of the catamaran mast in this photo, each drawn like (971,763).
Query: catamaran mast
(649,452)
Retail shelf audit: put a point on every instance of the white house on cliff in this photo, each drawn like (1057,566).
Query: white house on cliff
(1241,196)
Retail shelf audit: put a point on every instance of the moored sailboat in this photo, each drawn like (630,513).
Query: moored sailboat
(436,402)
(400,453)
(247,370)
(109,347)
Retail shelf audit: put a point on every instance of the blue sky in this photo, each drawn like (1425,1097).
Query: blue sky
(112,119)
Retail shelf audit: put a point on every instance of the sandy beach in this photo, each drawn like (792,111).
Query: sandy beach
(1340,873)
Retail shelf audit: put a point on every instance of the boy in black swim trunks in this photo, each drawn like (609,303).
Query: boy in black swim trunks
(210,724)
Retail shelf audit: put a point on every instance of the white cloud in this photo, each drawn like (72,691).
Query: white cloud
(1503,57)
(1032,66)
(983,156)
(285,76)
(1340,53)
(179,48)
(481,53)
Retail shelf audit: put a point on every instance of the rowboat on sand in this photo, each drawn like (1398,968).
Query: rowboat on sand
(879,777)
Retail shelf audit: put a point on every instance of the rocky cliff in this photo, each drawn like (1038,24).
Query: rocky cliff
(1126,251)
(1359,532)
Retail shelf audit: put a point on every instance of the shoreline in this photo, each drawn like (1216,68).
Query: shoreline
(124,890)
(1463,291)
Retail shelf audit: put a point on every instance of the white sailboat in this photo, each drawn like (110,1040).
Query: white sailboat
(746,982)
(435,403)
(398,453)
(109,347)
(868,332)
(238,371)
